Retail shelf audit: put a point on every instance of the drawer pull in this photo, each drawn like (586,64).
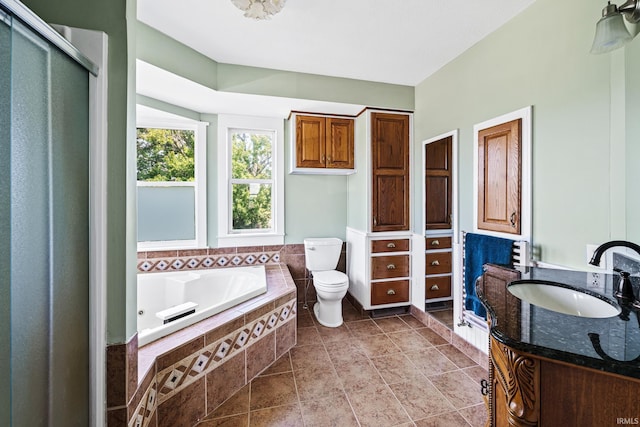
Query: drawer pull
(391,267)
(435,262)
(435,243)
(391,292)
(435,288)
(391,245)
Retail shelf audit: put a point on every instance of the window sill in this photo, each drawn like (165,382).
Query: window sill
(250,240)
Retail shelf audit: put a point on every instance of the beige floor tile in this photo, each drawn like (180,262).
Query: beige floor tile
(377,345)
(409,341)
(332,412)
(309,357)
(431,362)
(241,420)
(317,383)
(363,328)
(329,335)
(461,390)
(477,373)
(358,375)
(475,415)
(450,419)
(273,390)
(391,324)
(456,356)
(395,368)
(420,398)
(376,406)
(288,415)
(345,352)
(431,336)
(307,336)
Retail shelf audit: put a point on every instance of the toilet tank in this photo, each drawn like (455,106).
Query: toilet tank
(322,254)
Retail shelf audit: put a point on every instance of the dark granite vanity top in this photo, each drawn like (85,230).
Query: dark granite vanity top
(609,344)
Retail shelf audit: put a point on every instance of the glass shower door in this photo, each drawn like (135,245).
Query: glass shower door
(44,231)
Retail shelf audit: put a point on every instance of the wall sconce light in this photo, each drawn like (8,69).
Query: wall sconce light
(611,32)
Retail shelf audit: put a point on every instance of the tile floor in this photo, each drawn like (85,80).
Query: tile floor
(390,371)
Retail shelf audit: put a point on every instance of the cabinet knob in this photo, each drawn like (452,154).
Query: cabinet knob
(391,245)
(391,292)
(435,262)
(435,243)
(435,288)
(391,267)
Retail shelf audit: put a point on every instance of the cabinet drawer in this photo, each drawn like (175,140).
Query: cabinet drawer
(395,245)
(389,292)
(438,287)
(438,262)
(389,266)
(438,242)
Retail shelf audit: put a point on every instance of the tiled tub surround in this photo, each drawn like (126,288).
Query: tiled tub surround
(187,374)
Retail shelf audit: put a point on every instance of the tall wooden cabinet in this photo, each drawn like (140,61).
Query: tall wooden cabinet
(379,212)
(438,213)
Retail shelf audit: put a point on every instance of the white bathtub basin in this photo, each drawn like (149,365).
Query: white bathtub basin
(563,299)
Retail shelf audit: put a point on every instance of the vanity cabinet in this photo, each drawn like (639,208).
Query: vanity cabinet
(528,390)
(323,144)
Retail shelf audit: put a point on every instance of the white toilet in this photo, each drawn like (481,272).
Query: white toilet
(321,259)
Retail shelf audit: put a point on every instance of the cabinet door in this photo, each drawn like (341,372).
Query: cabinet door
(499,177)
(390,171)
(310,142)
(438,184)
(339,143)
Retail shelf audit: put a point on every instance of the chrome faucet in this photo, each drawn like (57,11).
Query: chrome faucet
(625,288)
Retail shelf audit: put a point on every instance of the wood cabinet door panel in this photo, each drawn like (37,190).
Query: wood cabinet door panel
(390,171)
(390,266)
(339,147)
(499,177)
(310,142)
(389,292)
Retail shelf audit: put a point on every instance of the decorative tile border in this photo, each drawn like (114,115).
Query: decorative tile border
(177,263)
(146,407)
(193,367)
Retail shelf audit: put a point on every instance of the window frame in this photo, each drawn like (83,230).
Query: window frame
(199,183)
(227,237)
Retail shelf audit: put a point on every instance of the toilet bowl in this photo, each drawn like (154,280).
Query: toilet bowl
(321,259)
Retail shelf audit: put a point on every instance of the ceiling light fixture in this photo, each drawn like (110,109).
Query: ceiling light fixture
(259,9)
(611,31)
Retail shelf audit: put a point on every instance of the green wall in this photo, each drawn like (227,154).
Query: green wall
(542,58)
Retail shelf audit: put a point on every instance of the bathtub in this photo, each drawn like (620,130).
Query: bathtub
(170,301)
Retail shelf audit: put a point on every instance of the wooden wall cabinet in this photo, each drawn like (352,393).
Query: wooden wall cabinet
(500,177)
(323,144)
(438,184)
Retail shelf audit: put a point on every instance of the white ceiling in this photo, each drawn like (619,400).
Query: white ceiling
(392,41)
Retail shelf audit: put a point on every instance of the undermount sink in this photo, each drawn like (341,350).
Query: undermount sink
(563,298)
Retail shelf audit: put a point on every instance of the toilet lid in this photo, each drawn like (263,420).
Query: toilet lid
(330,277)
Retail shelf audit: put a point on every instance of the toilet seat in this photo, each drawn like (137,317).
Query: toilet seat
(330,278)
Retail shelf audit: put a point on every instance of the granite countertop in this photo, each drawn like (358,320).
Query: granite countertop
(609,344)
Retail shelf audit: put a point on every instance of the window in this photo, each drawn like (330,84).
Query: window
(250,181)
(171,195)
